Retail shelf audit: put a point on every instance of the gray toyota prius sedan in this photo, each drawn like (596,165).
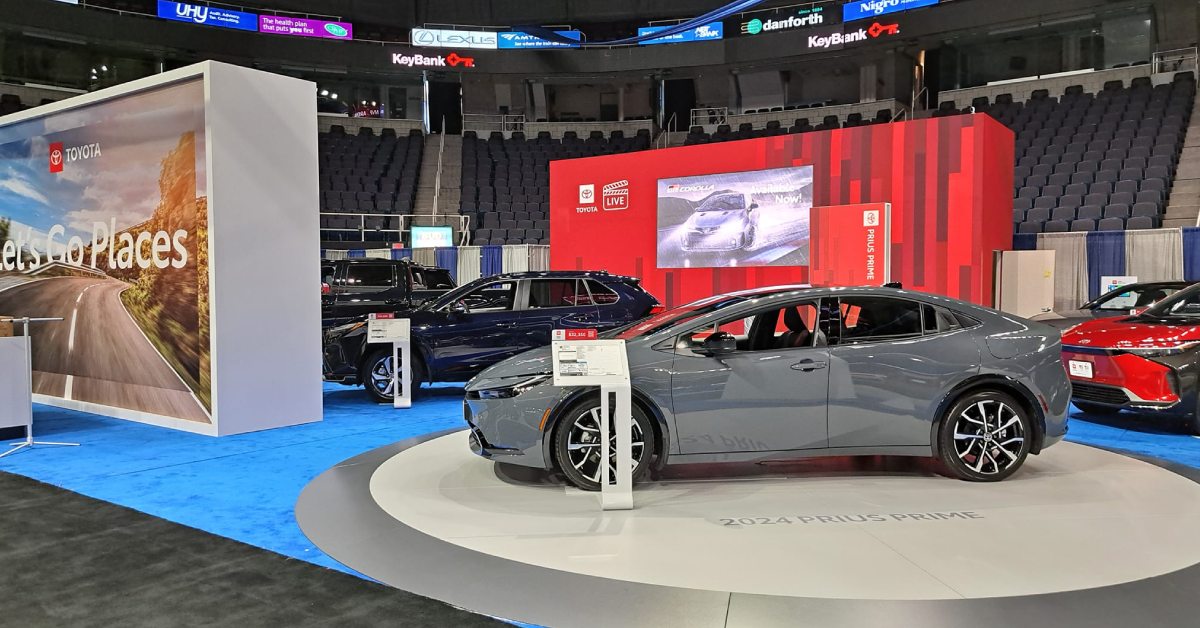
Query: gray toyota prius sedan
(793,371)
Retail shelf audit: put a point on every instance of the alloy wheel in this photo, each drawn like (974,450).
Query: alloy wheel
(583,445)
(989,436)
(381,377)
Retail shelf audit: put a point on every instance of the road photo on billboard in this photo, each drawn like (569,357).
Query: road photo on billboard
(732,219)
(104,223)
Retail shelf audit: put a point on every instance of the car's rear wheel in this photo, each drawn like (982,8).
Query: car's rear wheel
(985,436)
(1095,408)
(577,444)
(377,375)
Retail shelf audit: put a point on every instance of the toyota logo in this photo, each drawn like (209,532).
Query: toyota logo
(56,157)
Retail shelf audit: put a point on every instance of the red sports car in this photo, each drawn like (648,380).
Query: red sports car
(1145,362)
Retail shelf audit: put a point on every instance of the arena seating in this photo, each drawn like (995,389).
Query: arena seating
(367,174)
(1088,162)
(506,181)
(746,130)
(12,103)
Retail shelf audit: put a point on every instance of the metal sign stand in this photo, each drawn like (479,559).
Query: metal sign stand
(580,360)
(616,493)
(29,441)
(397,331)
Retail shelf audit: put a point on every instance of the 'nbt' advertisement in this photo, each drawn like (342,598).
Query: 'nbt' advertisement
(104,223)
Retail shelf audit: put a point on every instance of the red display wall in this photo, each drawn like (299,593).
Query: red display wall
(949,181)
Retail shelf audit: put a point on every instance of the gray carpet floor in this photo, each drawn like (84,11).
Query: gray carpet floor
(70,560)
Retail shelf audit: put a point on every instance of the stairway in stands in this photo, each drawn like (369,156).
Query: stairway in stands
(448,196)
(1184,202)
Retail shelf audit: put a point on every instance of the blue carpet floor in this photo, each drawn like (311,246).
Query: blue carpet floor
(245,487)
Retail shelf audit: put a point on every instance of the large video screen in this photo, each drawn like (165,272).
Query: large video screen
(732,219)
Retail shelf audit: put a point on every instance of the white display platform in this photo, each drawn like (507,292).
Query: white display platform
(1074,518)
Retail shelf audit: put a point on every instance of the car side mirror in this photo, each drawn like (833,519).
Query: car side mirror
(719,343)
(753,205)
(460,308)
(1138,310)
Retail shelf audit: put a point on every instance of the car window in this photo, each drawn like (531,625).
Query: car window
(774,328)
(369,276)
(868,318)
(938,320)
(437,278)
(1129,298)
(497,296)
(722,203)
(548,293)
(601,294)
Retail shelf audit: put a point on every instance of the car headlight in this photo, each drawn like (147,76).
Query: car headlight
(508,392)
(1158,352)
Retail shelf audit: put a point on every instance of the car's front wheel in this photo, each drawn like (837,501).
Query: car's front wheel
(377,375)
(985,436)
(577,444)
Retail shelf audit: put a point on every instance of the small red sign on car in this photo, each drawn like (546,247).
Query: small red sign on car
(575,334)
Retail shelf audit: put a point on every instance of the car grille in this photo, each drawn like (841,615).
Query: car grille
(1098,393)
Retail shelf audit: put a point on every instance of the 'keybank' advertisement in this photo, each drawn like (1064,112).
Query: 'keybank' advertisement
(103,222)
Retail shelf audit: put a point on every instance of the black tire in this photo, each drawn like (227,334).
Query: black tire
(1193,425)
(750,237)
(584,473)
(1095,408)
(990,449)
(372,366)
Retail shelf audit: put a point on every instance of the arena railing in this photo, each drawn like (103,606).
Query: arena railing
(460,224)
(1022,88)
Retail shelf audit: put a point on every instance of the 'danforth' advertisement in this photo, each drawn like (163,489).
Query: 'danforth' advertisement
(103,222)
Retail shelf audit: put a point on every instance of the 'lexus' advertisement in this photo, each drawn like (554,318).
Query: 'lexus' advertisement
(104,223)
(757,218)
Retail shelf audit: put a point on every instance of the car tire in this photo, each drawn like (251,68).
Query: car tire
(579,461)
(1096,409)
(750,237)
(377,365)
(985,436)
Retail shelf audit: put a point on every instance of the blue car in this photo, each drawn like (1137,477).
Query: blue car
(474,326)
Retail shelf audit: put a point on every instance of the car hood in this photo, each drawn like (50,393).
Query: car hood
(712,219)
(1126,333)
(532,362)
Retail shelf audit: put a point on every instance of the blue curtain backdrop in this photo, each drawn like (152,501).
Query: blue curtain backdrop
(1025,242)
(447,258)
(1106,256)
(401,253)
(1191,253)
(492,262)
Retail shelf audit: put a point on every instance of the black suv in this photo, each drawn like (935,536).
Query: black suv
(352,288)
(483,322)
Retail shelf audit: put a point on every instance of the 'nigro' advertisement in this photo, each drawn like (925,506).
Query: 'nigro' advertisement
(104,223)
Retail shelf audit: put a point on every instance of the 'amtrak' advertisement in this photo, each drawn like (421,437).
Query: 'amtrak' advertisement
(104,223)
(756,218)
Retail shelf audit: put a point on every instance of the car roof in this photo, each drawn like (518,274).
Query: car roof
(565,274)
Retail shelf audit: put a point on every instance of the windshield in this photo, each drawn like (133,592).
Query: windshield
(1182,304)
(1129,297)
(452,296)
(722,203)
(673,317)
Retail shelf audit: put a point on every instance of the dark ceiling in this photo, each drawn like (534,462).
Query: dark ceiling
(407,13)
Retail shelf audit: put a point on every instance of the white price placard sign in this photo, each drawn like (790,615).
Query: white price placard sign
(590,362)
(385,328)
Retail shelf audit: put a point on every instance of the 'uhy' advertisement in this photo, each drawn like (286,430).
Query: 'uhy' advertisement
(104,223)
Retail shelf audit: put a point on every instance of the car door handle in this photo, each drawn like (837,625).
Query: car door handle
(807,365)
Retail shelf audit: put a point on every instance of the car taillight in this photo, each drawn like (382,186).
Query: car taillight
(657,309)
(325,289)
